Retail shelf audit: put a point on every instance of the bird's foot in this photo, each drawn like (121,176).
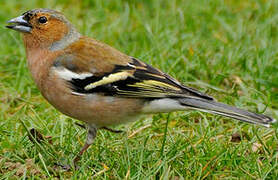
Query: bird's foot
(67,167)
(34,135)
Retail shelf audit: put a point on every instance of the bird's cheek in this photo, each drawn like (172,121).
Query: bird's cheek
(39,38)
(56,31)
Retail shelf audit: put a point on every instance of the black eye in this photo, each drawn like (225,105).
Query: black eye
(42,20)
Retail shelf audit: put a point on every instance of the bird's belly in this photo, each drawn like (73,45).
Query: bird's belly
(92,108)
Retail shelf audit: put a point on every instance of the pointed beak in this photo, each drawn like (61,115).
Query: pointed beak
(19,24)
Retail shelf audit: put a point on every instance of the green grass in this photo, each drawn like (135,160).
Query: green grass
(228,49)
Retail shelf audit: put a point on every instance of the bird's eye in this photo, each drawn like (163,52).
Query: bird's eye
(42,20)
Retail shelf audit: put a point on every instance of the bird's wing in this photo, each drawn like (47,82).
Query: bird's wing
(118,75)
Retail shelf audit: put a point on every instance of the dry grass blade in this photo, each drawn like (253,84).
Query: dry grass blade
(139,130)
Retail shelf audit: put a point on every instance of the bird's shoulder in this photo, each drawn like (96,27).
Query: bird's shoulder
(88,54)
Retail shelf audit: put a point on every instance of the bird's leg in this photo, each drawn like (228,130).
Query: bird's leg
(92,132)
(112,130)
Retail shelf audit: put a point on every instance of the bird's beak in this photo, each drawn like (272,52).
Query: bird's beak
(19,24)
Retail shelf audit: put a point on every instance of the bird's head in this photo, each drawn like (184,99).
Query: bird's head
(44,28)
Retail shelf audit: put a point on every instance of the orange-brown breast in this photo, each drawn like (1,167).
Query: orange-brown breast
(96,109)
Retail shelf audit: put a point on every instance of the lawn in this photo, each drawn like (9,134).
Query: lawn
(226,48)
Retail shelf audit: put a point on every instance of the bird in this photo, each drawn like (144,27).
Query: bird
(95,83)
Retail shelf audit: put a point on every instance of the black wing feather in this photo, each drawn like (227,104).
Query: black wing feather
(136,86)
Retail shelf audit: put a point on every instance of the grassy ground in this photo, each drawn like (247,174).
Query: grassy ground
(228,49)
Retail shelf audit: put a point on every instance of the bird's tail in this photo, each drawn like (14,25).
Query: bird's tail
(214,107)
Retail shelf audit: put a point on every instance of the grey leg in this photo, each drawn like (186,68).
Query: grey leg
(92,132)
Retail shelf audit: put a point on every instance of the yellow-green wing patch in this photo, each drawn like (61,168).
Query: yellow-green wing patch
(135,80)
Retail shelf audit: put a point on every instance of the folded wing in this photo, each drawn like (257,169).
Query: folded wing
(135,79)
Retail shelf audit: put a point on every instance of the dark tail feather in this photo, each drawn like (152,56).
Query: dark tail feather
(214,107)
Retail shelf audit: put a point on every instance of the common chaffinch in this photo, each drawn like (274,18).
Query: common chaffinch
(99,85)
